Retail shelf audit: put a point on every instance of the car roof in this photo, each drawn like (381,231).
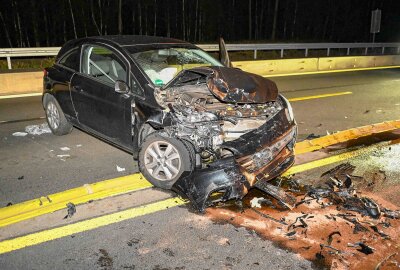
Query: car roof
(124,41)
(132,40)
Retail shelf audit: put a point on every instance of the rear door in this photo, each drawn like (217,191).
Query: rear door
(98,107)
(61,75)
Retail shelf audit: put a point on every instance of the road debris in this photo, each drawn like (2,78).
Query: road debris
(256,202)
(330,237)
(120,169)
(63,157)
(332,221)
(65,148)
(381,263)
(19,134)
(363,248)
(71,210)
(312,136)
(38,129)
(20,177)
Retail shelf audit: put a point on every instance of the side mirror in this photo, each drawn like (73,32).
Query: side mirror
(121,87)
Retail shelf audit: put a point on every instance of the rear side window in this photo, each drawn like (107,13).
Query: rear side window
(71,59)
(101,63)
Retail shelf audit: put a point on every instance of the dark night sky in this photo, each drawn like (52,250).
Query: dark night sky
(26,23)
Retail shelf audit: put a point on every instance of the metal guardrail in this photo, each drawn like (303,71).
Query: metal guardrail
(52,51)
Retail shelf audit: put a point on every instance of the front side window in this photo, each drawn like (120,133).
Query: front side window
(162,65)
(102,64)
(71,59)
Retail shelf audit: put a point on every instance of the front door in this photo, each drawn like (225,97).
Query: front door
(98,107)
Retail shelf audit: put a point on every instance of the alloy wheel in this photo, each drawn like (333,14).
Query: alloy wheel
(162,160)
(53,115)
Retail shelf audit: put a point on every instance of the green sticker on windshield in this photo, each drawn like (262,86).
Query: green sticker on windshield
(158,82)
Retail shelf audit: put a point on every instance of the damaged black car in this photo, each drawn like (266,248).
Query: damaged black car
(201,128)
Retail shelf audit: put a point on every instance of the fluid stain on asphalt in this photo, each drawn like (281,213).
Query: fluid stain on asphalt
(105,261)
(323,232)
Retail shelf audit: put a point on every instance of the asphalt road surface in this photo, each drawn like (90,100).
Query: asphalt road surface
(36,165)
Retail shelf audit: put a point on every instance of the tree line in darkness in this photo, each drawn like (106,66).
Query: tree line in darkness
(33,23)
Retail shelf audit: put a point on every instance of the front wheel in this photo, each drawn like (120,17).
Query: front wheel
(162,160)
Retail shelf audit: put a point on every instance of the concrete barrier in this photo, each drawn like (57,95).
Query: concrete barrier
(21,82)
(31,82)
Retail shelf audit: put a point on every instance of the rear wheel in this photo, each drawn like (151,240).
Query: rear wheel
(162,160)
(58,124)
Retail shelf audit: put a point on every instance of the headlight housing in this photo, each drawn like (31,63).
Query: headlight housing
(289,110)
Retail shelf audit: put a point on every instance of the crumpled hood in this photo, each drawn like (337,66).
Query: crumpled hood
(235,85)
(231,85)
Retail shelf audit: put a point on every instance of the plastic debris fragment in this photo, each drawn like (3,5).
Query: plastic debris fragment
(38,129)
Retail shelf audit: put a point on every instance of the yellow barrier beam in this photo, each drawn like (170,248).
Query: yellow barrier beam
(344,136)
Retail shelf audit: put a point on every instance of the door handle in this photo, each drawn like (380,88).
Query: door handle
(78,88)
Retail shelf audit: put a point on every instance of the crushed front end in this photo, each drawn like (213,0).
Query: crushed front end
(242,131)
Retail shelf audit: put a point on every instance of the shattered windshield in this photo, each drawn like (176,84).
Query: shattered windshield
(162,65)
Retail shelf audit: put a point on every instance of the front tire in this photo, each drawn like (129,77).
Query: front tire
(58,124)
(162,160)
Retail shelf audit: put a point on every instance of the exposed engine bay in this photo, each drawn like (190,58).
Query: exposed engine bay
(229,116)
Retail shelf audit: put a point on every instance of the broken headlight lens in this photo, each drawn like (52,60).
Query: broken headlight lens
(289,110)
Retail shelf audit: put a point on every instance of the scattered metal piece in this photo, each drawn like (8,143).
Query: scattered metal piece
(330,247)
(302,224)
(339,172)
(363,205)
(284,198)
(391,213)
(269,217)
(71,210)
(378,266)
(330,237)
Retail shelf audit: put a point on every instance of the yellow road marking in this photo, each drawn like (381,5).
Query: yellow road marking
(327,71)
(67,230)
(57,201)
(344,136)
(320,96)
(20,95)
(52,234)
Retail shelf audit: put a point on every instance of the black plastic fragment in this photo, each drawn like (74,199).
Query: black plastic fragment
(364,248)
(291,233)
(330,237)
(375,229)
(71,210)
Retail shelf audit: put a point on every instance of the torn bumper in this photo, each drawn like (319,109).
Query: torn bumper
(260,155)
